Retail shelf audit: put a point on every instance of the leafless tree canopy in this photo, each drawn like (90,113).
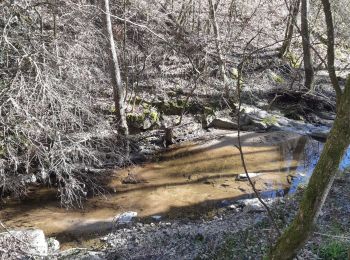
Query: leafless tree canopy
(52,76)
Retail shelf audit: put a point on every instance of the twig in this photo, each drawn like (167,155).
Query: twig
(239,146)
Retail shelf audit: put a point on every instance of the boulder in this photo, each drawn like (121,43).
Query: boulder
(253,205)
(28,242)
(125,218)
(223,123)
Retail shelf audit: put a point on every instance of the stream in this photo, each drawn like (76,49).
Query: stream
(188,181)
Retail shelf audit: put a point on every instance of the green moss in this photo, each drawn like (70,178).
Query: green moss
(277,78)
(146,105)
(135,118)
(154,116)
(144,117)
(293,60)
(173,107)
(234,73)
(269,120)
(209,111)
(341,55)
(112,109)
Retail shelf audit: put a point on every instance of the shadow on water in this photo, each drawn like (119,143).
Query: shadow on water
(190,181)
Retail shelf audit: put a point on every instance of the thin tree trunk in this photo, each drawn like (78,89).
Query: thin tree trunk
(118,90)
(212,10)
(330,46)
(308,66)
(290,28)
(319,185)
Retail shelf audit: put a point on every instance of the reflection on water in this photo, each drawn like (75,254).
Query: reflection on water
(312,152)
(345,164)
(189,179)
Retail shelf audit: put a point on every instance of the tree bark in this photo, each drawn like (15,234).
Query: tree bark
(118,90)
(330,46)
(319,184)
(222,67)
(305,34)
(290,28)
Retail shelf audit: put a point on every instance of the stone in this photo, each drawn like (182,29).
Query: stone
(156,217)
(253,205)
(224,203)
(91,255)
(53,245)
(31,241)
(233,207)
(320,134)
(260,124)
(262,114)
(125,218)
(223,123)
(243,176)
(82,254)
(132,179)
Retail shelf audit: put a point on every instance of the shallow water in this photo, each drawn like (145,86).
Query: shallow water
(190,180)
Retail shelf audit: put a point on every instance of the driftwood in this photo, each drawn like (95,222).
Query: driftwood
(313,100)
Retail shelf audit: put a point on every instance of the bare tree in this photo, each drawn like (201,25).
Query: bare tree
(222,67)
(118,89)
(305,34)
(293,13)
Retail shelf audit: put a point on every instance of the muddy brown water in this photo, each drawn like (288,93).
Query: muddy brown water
(187,180)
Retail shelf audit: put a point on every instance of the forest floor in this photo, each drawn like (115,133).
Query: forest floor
(240,230)
(236,232)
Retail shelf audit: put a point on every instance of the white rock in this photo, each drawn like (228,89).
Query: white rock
(282,121)
(91,255)
(243,176)
(251,205)
(32,241)
(233,207)
(53,245)
(125,217)
(262,114)
(157,217)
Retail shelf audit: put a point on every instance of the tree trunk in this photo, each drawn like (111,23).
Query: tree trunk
(290,28)
(305,34)
(118,90)
(320,183)
(330,46)
(212,10)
